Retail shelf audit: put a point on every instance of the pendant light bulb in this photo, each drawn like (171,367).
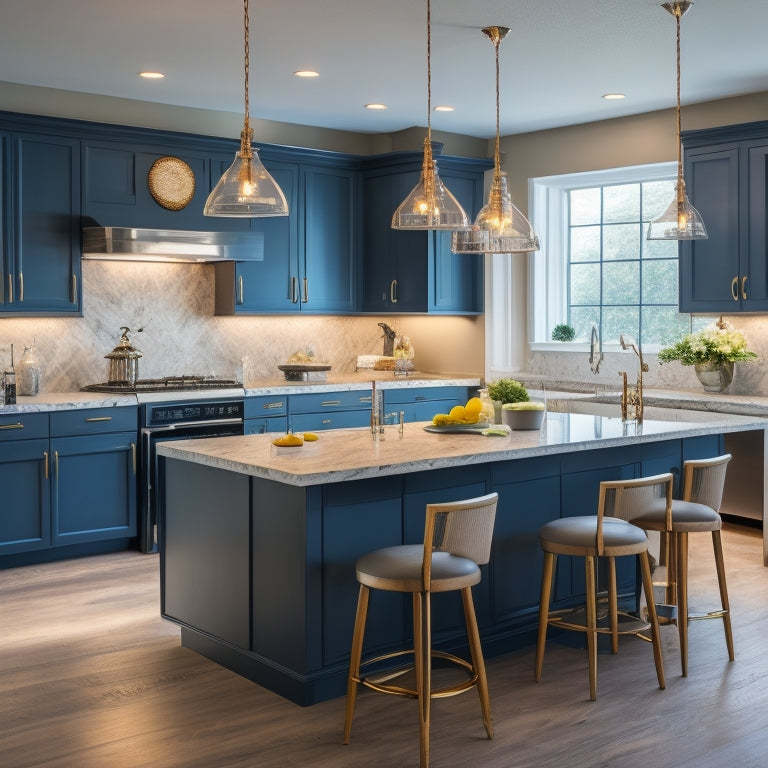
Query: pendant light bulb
(246,190)
(680,221)
(500,227)
(429,205)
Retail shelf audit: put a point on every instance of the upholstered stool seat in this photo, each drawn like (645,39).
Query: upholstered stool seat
(608,535)
(457,541)
(696,512)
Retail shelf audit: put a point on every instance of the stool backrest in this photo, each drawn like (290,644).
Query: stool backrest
(463,528)
(704,480)
(628,499)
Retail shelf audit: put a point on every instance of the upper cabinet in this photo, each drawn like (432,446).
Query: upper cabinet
(40,212)
(309,261)
(415,271)
(726,171)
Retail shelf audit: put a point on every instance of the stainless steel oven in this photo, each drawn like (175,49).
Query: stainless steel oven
(178,419)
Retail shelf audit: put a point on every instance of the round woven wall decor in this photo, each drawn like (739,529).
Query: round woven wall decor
(171,182)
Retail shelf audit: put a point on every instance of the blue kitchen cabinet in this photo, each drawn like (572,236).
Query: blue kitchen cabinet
(265,413)
(415,271)
(329,410)
(93,475)
(25,511)
(422,403)
(41,217)
(309,259)
(726,175)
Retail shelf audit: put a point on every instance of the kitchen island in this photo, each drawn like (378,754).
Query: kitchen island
(258,544)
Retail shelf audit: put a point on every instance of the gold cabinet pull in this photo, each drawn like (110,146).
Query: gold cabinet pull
(276,404)
(133,454)
(294,293)
(734,288)
(74,288)
(366,399)
(744,287)
(240,290)
(393,291)
(56,464)
(330,402)
(45,463)
(21,287)
(306,291)
(16,425)
(99,418)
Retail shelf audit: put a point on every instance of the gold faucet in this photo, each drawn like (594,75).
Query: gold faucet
(632,395)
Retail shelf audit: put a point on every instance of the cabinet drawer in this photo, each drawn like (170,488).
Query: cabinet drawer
(23,426)
(260,426)
(92,421)
(264,406)
(318,402)
(314,422)
(420,394)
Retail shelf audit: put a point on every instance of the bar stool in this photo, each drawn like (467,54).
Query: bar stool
(696,512)
(609,534)
(457,540)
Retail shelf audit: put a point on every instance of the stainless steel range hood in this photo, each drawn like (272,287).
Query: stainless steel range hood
(128,244)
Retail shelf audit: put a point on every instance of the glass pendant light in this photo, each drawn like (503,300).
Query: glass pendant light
(429,205)
(500,227)
(246,189)
(681,221)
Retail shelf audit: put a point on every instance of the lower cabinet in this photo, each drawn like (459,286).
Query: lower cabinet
(422,403)
(330,410)
(67,478)
(265,413)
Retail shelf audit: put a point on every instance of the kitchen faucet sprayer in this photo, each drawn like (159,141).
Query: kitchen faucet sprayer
(632,396)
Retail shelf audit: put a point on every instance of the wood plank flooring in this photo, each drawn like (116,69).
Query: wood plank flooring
(91,676)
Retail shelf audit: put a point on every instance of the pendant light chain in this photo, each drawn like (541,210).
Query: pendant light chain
(429,72)
(497,153)
(678,15)
(245,139)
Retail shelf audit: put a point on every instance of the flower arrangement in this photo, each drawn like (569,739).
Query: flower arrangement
(717,343)
(507,391)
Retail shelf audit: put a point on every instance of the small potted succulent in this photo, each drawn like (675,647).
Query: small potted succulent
(563,332)
(516,409)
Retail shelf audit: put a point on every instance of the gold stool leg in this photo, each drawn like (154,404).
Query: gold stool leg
(546,591)
(682,598)
(645,570)
(613,604)
(717,545)
(589,572)
(354,659)
(422,651)
(478,664)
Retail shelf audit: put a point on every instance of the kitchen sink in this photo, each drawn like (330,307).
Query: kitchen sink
(612,407)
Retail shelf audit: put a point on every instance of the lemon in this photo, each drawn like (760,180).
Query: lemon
(457,413)
(441,419)
(310,437)
(474,405)
(289,440)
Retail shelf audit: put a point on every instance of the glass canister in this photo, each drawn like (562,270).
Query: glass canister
(487,410)
(124,361)
(28,373)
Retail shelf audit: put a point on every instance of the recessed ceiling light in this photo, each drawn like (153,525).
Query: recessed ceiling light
(375,106)
(614,96)
(152,75)
(444,109)
(306,73)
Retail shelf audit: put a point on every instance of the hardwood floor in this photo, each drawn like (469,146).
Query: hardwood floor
(91,676)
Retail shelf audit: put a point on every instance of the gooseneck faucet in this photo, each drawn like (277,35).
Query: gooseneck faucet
(632,395)
(389,339)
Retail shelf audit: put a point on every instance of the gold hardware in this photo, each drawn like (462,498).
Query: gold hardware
(56,464)
(99,418)
(294,295)
(133,452)
(330,402)
(74,288)
(744,287)
(632,396)
(21,287)
(17,425)
(45,461)
(366,399)
(327,421)
(734,288)
(306,291)
(276,404)
(240,290)
(393,291)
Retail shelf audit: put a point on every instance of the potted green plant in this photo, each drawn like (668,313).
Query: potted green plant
(712,352)
(515,409)
(563,332)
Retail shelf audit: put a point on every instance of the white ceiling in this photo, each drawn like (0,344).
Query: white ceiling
(558,60)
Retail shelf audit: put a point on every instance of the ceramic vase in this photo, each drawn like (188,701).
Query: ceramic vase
(714,376)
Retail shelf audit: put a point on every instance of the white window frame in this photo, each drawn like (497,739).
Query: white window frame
(547,281)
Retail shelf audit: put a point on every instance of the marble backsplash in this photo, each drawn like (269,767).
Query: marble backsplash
(174,304)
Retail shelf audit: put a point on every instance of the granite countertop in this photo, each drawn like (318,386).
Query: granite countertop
(350,454)
(59,401)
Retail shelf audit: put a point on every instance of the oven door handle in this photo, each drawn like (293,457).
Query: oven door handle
(185,424)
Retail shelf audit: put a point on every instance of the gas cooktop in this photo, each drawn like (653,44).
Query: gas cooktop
(166,384)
